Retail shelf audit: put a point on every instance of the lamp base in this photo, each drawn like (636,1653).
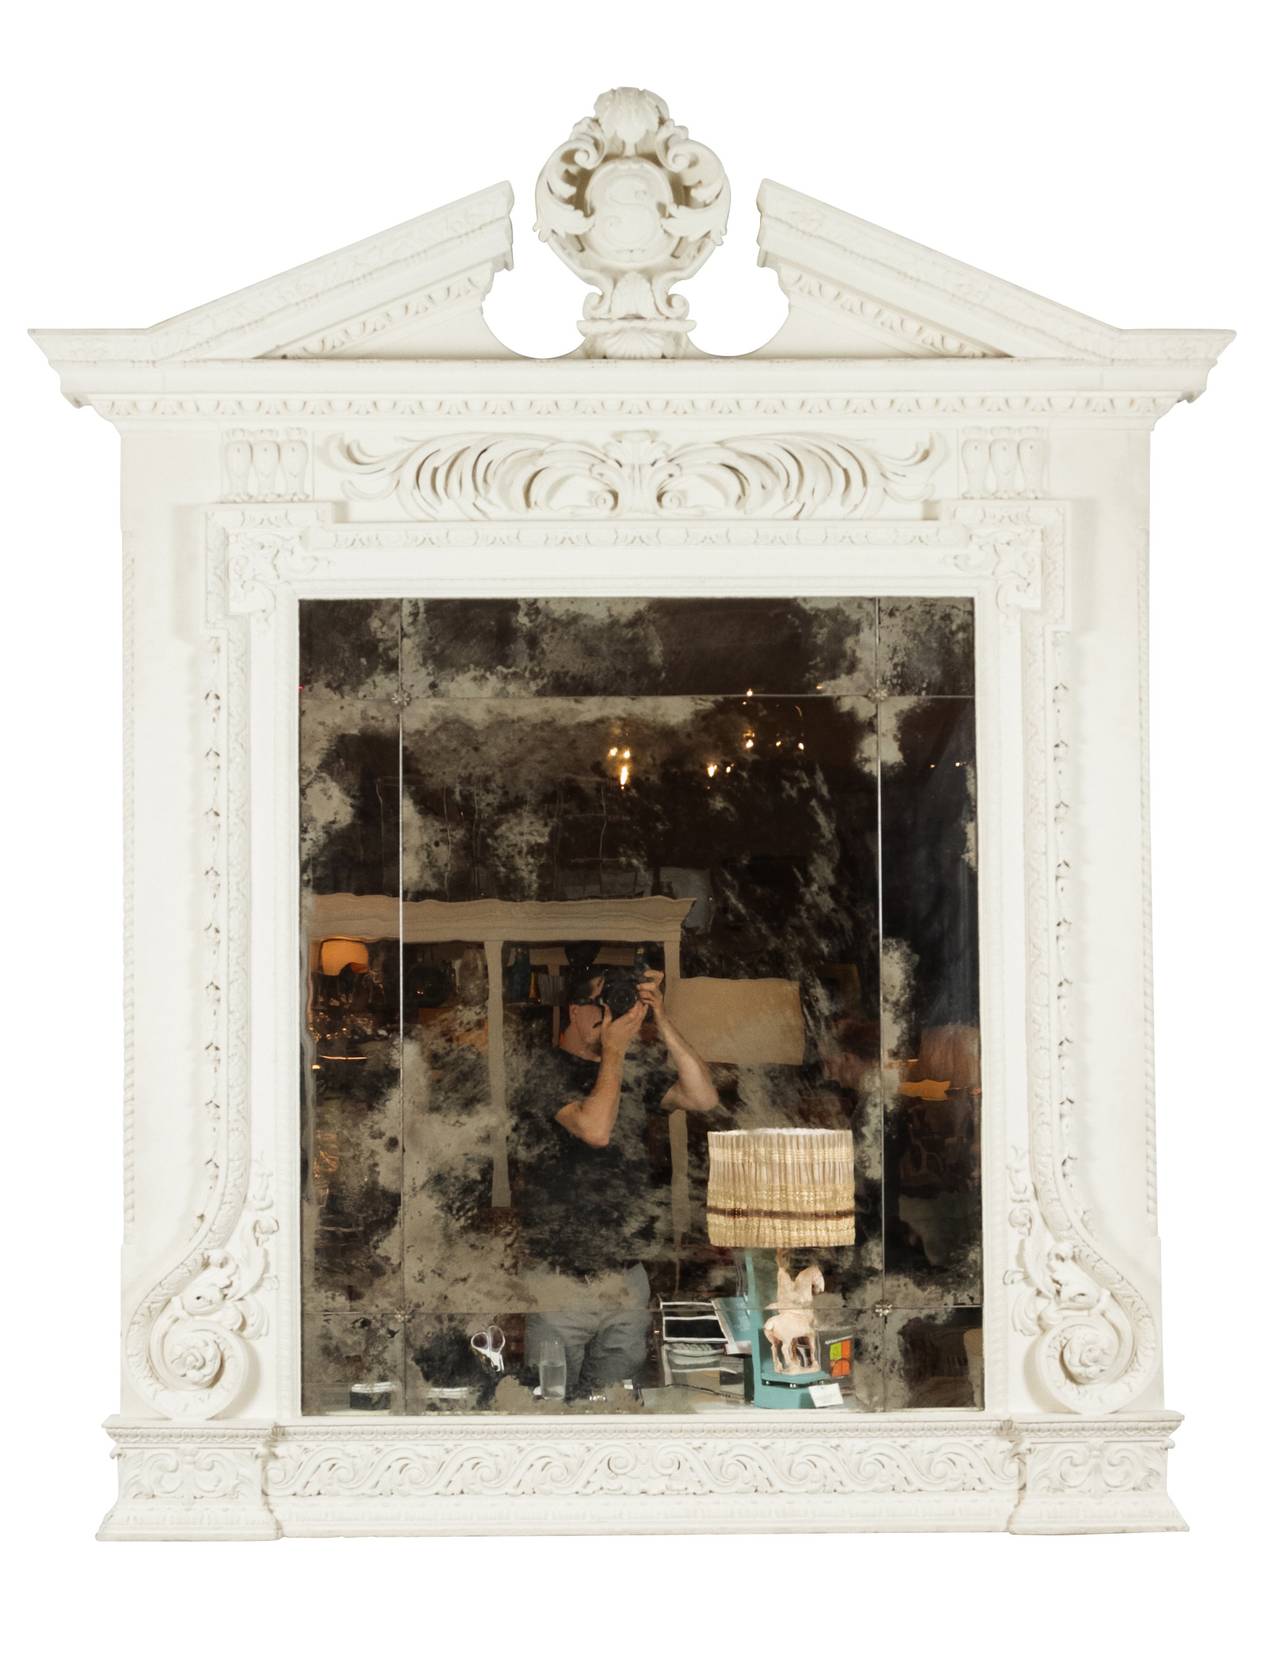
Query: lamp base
(768,1388)
(766,1385)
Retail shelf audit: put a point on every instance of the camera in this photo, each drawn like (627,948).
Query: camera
(618,993)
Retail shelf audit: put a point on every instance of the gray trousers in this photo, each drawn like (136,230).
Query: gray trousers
(602,1321)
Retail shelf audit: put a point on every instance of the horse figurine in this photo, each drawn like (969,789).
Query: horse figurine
(792,1333)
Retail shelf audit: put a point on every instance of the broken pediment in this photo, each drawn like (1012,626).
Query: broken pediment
(414,291)
(856,290)
(634,206)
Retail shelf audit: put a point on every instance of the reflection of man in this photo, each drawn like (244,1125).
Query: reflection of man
(591,1207)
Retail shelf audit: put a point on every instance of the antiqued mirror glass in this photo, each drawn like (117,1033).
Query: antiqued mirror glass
(584,880)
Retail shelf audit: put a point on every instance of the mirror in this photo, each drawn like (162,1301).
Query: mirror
(755,818)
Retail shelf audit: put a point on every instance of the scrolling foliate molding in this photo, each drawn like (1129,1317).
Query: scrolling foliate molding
(793,475)
(639,1460)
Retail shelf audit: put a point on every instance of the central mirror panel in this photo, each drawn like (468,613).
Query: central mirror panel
(582,881)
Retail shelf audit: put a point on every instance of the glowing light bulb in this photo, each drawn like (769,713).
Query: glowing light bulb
(751,692)
(626,753)
(800,745)
(624,776)
(750,742)
(712,769)
(613,753)
(778,743)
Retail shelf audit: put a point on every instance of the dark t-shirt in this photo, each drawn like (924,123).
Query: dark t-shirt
(580,1208)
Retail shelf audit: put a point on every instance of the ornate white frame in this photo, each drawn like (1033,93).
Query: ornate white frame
(955,436)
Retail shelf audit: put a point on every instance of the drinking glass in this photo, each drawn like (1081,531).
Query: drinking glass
(552,1370)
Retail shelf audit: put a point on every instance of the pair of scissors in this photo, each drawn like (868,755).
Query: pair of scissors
(488,1343)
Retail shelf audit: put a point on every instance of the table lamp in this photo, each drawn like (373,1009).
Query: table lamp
(779,1188)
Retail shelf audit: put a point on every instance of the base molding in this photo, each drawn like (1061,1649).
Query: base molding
(180,1482)
(945,1470)
(1094,1477)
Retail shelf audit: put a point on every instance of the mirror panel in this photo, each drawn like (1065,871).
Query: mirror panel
(509,808)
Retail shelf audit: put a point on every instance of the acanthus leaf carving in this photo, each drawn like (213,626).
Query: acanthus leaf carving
(791,475)
(197,1349)
(632,205)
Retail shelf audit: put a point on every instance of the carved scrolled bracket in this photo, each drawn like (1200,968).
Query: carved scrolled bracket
(197,1353)
(1088,1335)
(187,1340)
(632,205)
(791,475)
(1095,1347)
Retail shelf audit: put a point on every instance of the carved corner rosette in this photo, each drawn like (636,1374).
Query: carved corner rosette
(255,550)
(475,477)
(1008,545)
(632,205)
(1095,1344)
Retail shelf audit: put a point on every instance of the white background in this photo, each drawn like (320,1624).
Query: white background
(1113,157)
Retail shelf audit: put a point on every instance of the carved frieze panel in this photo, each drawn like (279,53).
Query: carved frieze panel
(643,473)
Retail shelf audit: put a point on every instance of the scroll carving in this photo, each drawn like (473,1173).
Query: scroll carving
(197,1351)
(632,205)
(637,472)
(639,1465)
(187,1338)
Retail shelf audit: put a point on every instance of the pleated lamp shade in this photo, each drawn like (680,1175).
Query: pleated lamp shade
(780,1187)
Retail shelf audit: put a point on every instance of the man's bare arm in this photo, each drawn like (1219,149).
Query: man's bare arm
(592,1118)
(693,1088)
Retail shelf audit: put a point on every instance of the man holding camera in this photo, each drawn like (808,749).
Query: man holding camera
(593,1202)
